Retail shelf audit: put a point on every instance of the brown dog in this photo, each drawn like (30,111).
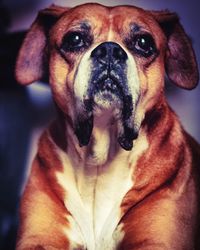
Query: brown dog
(116,170)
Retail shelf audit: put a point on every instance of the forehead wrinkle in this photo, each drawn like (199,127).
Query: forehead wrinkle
(135,27)
(83,25)
(124,17)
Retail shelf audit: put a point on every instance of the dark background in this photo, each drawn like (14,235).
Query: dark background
(25,111)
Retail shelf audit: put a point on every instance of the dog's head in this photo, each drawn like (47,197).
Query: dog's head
(107,60)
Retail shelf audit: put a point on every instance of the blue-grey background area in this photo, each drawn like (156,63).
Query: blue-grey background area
(25,111)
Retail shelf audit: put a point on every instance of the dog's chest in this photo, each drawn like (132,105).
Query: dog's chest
(93,198)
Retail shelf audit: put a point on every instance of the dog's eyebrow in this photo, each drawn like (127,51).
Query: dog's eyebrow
(82,26)
(85,25)
(135,27)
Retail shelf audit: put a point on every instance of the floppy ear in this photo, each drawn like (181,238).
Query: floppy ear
(31,62)
(181,66)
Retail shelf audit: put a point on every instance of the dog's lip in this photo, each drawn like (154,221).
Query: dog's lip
(108,84)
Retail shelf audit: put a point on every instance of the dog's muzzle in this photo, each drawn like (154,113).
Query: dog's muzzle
(108,87)
(109,71)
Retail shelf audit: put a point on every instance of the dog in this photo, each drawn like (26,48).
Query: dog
(115,170)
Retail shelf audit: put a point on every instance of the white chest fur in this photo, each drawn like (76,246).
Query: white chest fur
(93,197)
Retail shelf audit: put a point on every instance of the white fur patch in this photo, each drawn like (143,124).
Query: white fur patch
(133,78)
(101,145)
(82,76)
(94,195)
(74,234)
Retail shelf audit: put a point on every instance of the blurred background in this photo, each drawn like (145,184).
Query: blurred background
(25,111)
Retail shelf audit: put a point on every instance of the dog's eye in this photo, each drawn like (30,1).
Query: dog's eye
(144,45)
(73,41)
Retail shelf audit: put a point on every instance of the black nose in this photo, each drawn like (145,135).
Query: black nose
(109,52)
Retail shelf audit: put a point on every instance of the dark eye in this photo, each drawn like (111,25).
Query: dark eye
(144,45)
(73,41)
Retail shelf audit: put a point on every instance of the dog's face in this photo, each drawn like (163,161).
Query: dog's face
(107,60)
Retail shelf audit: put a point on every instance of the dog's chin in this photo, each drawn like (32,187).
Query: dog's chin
(107,100)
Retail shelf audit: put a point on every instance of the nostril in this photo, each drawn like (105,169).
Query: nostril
(119,54)
(99,52)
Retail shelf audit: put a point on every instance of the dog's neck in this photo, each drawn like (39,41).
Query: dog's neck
(103,143)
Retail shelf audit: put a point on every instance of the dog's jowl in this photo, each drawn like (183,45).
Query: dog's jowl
(116,170)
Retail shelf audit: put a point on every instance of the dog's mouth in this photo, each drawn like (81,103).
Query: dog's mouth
(107,93)
(108,88)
